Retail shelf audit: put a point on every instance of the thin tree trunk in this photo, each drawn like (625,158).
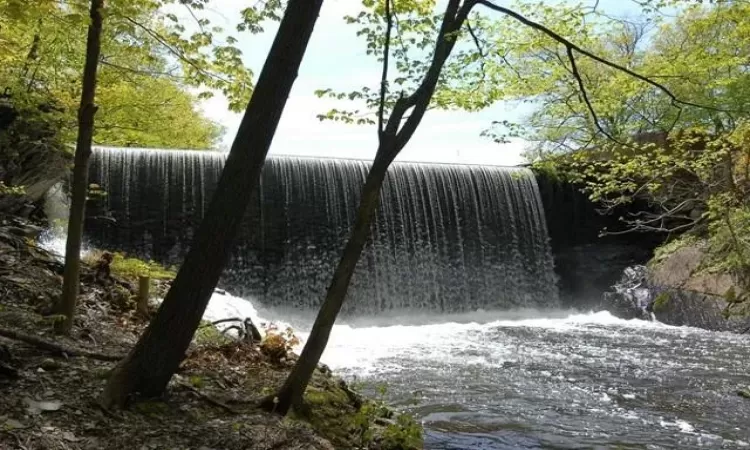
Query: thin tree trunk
(292,391)
(141,306)
(67,304)
(393,137)
(158,353)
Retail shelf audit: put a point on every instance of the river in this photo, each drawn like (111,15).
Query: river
(552,379)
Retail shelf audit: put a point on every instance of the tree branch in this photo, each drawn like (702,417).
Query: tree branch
(453,20)
(56,348)
(571,45)
(384,76)
(175,51)
(585,96)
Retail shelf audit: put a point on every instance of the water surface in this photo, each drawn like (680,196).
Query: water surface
(556,380)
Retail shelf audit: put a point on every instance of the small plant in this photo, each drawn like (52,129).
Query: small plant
(11,190)
(278,344)
(196,381)
(132,268)
(208,335)
(666,250)
(661,302)
(406,433)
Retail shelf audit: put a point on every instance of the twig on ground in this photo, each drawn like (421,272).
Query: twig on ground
(208,399)
(56,348)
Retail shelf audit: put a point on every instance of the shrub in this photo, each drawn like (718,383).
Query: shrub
(278,344)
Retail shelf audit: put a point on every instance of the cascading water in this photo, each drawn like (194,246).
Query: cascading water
(447,238)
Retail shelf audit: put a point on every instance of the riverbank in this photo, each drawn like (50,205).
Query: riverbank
(49,392)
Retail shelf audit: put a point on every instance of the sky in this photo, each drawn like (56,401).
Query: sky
(336,59)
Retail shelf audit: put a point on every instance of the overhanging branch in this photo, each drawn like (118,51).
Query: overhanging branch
(571,45)
(585,96)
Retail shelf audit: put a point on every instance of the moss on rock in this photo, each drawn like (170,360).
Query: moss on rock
(661,302)
(341,416)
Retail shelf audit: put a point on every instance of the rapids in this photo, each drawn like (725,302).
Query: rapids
(529,379)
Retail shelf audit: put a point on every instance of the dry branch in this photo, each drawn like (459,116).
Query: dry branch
(209,399)
(56,348)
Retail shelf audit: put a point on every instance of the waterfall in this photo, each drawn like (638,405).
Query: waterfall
(447,238)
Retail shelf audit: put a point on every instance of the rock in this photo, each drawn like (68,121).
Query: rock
(676,291)
(50,365)
(630,298)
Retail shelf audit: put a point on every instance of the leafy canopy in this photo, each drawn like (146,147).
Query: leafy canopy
(154,66)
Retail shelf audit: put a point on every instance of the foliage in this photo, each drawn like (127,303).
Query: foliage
(665,250)
(406,433)
(131,268)
(277,344)
(10,190)
(729,241)
(681,162)
(208,335)
(154,67)
(661,302)
(402,433)
(134,267)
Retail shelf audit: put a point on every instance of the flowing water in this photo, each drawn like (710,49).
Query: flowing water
(547,379)
(440,305)
(447,238)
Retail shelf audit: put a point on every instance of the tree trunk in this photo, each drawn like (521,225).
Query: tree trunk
(141,306)
(292,391)
(158,353)
(67,303)
(392,141)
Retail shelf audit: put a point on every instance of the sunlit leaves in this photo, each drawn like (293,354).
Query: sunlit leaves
(165,45)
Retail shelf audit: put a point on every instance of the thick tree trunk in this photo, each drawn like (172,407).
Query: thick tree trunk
(157,355)
(67,304)
(294,387)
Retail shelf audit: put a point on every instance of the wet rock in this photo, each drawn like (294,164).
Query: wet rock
(631,297)
(676,291)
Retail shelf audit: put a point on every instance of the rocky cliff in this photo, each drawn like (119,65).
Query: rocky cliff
(679,289)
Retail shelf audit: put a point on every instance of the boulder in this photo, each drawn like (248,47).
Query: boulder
(677,290)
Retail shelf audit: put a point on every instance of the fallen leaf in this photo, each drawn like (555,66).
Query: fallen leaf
(35,407)
(70,437)
(13,424)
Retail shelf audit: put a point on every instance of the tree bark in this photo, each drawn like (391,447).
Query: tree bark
(158,353)
(294,387)
(141,306)
(67,304)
